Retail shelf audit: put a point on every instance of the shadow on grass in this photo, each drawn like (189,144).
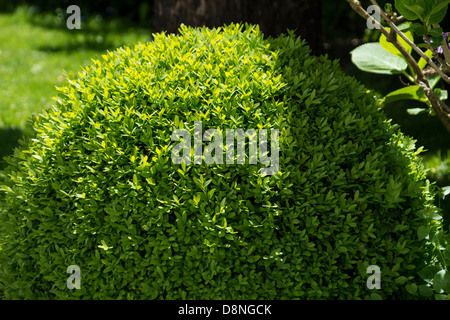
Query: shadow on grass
(99,42)
(99,38)
(97,33)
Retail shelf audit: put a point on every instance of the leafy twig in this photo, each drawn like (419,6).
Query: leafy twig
(415,48)
(440,107)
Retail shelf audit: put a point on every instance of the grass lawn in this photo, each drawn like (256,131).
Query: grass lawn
(36,52)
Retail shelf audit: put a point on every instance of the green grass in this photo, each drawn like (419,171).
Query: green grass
(36,53)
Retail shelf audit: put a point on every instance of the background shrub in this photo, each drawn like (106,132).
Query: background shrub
(97,188)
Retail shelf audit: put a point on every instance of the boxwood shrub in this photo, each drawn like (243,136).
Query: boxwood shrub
(97,187)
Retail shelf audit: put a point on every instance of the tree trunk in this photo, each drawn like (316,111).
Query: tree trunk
(273,16)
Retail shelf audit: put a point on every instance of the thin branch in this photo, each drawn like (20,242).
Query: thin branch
(440,107)
(436,54)
(445,49)
(356,6)
(416,48)
(446,53)
(398,19)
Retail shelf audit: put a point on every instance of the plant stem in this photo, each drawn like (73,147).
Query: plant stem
(440,107)
(410,78)
(416,48)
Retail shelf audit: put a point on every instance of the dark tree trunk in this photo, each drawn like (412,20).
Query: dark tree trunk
(273,16)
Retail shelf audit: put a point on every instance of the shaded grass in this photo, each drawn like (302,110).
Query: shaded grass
(36,54)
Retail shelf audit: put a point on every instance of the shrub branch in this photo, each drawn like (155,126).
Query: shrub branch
(440,107)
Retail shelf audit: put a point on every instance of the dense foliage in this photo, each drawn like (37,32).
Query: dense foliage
(97,187)
(416,25)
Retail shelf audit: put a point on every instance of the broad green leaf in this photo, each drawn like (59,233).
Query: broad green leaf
(418,9)
(441,281)
(391,48)
(407,93)
(436,11)
(425,291)
(410,9)
(371,57)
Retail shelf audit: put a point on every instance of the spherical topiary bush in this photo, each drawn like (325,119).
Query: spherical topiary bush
(99,188)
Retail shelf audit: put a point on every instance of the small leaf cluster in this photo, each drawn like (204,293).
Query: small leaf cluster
(96,187)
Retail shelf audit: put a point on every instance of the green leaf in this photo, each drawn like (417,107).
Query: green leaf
(423,45)
(410,9)
(425,291)
(36,156)
(422,232)
(437,9)
(391,48)
(411,288)
(447,253)
(428,11)
(416,111)
(371,57)
(375,296)
(442,94)
(400,280)
(445,191)
(416,27)
(415,92)
(418,10)
(441,281)
(435,32)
